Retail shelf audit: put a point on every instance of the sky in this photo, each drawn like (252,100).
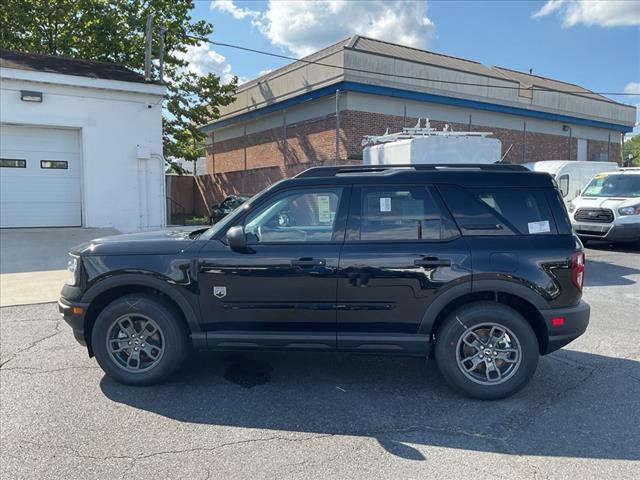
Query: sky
(592,43)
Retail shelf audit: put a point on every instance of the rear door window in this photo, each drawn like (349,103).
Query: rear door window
(500,211)
(401,213)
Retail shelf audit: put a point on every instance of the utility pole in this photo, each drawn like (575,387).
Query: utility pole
(147,47)
(337,160)
(163,30)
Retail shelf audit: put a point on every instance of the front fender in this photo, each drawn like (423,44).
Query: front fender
(149,280)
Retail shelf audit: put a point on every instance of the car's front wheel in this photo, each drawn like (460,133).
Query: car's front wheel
(486,350)
(139,339)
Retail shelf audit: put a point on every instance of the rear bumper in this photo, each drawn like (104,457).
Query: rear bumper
(629,232)
(576,320)
(75,320)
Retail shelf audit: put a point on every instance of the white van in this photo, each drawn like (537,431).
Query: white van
(609,208)
(571,175)
(419,145)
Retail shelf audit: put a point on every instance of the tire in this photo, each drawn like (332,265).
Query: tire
(453,352)
(166,339)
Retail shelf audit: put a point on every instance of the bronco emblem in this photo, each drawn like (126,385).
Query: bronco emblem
(220,292)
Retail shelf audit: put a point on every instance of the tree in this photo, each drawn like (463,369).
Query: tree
(632,147)
(113,31)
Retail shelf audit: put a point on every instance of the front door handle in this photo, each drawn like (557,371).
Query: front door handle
(433,262)
(308,262)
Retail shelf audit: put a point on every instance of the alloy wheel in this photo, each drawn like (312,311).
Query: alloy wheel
(135,343)
(488,353)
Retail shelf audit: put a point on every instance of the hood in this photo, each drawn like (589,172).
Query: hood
(604,202)
(160,242)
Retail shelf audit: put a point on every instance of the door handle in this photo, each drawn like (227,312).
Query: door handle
(308,262)
(433,262)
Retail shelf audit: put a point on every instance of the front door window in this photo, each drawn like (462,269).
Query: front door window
(296,216)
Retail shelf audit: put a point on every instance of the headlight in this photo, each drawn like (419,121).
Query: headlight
(572,208)
(632,210)
(74,270)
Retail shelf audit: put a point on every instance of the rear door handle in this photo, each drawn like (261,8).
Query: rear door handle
(308,262)
(433,262)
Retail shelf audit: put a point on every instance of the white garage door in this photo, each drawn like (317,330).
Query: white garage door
(39,177)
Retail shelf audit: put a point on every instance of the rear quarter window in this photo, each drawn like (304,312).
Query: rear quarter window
(500,211)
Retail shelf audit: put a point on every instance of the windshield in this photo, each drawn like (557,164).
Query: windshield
(613,186)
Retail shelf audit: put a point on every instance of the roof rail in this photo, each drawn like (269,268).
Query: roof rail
(332,171)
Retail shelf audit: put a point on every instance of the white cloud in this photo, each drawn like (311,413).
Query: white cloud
(304,27)
(632,87)
(605,13)
(265,71)
(228,6)
(202,60)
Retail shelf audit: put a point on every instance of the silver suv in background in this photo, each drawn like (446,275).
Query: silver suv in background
(609,208)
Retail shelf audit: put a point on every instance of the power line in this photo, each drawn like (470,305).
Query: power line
(408,77)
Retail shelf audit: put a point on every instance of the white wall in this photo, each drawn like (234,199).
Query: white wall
(118,190)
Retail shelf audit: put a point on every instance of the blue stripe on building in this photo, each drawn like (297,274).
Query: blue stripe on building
(411,95)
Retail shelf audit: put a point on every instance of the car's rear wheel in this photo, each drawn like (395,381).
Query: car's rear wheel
(139,339)
(486,350)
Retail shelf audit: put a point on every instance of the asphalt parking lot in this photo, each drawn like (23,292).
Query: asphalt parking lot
(325,415)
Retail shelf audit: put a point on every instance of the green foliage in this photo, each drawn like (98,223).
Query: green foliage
(632,147)
(113,31)
(173,167)
(197,221)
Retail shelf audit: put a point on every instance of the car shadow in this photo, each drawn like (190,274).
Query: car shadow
(577,405)
(599,273)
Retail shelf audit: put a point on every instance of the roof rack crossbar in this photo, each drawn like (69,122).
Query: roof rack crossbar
(332,171)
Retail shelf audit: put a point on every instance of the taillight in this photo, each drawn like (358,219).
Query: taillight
(577,269)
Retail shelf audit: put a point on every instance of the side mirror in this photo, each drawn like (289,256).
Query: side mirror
(236,238)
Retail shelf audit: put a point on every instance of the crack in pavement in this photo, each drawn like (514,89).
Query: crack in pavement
(370,434)
(517,424)
(134,459)
(33,344)
(37,371)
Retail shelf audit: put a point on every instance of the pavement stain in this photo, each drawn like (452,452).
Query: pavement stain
(247,373)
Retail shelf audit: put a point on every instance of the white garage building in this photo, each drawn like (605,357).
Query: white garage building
(80,145)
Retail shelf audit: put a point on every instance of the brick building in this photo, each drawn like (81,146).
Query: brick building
(317,110)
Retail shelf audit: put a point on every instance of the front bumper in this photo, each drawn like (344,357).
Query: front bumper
(576,320)
(627,232)
(75,320)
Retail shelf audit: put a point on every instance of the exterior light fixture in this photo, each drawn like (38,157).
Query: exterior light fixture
(29,96)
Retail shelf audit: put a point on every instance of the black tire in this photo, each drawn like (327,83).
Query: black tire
(172,332)
(478,314)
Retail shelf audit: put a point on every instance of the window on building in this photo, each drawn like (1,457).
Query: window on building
(54,164)
(12,163)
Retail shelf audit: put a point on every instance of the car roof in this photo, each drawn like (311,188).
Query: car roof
(469,175)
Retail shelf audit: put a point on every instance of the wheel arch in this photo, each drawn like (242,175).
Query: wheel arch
(109,289)
(524,304)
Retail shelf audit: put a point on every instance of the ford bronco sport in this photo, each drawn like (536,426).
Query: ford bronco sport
(475,264)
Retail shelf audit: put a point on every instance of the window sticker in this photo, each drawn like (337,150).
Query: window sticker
(385,204)
(324,209)
(539,227)
(601,175)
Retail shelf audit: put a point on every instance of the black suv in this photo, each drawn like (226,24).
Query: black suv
(475,264)
(228,205)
